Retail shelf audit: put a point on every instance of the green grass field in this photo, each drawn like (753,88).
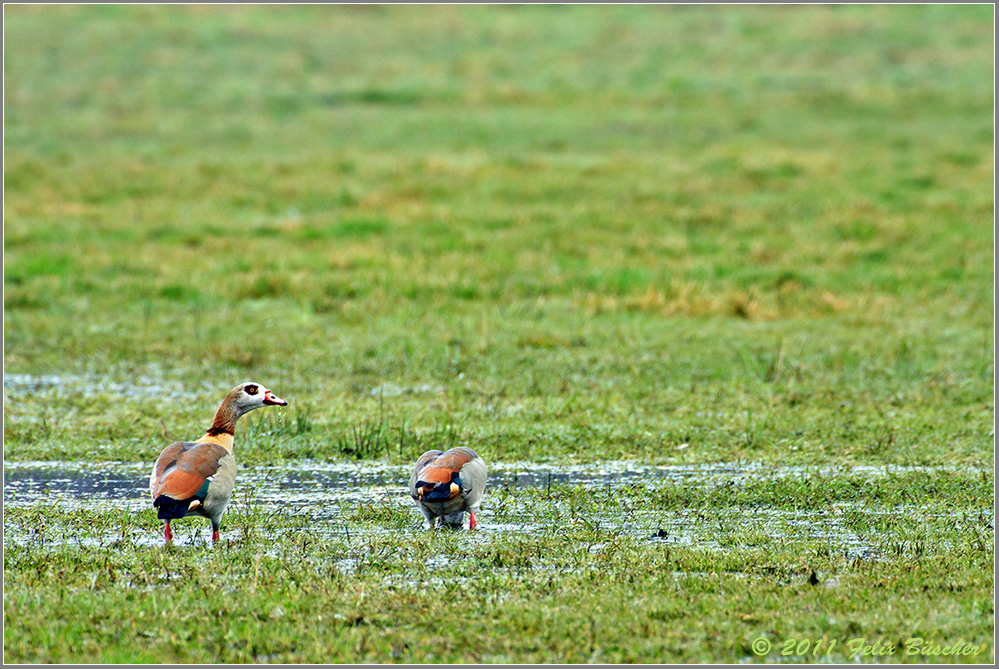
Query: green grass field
(666,235)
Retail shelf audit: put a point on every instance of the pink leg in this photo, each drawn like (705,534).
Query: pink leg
(215,536)
(471,520)
(167,534)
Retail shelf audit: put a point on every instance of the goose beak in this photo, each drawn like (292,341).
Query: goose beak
(271,398)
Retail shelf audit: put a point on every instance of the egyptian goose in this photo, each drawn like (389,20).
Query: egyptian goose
(198,477)
(446,485)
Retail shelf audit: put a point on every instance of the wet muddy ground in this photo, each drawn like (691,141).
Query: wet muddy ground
(669,536)
(322,496)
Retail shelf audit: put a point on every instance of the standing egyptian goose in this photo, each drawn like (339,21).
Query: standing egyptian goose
(446,485)
(198,477)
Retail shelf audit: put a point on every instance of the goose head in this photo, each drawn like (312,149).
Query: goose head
(249,396)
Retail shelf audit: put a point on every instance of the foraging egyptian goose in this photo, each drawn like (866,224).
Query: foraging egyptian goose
(446,485)
(198,477)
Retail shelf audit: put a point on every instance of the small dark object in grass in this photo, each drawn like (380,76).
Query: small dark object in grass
(813,579)
(661,534)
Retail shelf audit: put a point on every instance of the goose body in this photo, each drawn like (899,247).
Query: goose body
(444,485)
(197,477)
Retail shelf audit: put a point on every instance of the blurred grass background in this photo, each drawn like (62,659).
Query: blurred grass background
(673,233)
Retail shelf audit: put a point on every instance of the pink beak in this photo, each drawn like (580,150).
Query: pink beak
(271,398)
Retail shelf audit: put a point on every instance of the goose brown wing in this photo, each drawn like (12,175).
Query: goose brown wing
(456,458)
(439,468)
(183,468)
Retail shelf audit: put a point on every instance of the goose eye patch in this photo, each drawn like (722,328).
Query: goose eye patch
(251,390)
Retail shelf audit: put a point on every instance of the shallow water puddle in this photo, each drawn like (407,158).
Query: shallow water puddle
(320,497)
(27,482)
